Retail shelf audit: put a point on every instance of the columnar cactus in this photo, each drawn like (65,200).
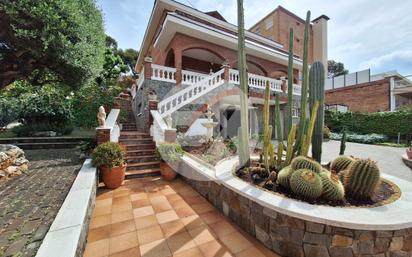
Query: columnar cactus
(266,133)
(341,162)
(333,189)
(317,94)
(343,143)
(290,83)
(284,176)
(362,179)
(291,140)
(302,162)
(279,132)
(305,84)
(307,137)
(306,183)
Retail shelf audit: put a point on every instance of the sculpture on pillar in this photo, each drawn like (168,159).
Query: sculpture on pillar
(101,117)
(210,124)
(169,121)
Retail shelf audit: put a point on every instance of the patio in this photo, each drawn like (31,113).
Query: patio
(152,217)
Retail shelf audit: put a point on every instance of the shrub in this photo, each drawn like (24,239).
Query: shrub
(326,132)
(386,123)
(364,139)
(26,130)
(8,111)
(108,154)
(169,152)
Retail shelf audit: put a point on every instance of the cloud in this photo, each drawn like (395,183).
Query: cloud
(400,59)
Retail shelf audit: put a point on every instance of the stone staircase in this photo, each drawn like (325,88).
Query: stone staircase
(140,149)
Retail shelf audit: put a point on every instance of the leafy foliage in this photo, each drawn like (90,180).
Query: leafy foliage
(66,39)
(364,139)
(387,123)
(108,154)
(169,152)
(336,69)
(8,111)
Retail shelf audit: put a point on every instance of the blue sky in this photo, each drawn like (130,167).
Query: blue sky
(363,34)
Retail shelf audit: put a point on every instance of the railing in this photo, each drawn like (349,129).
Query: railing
(140,80)
(157,130)
(191,93)
(163,73)
(191,78)
(297,89)
(256,81)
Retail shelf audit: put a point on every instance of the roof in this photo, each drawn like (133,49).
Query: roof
(216,15)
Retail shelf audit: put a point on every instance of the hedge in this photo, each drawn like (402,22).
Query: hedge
(386,123)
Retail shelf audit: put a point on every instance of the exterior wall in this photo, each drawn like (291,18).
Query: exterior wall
(293,237)
(366,97)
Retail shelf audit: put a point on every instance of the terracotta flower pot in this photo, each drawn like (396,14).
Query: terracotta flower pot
(168,172)
(113,178)
(409,153)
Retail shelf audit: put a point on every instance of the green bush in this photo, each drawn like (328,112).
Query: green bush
(364,139)
(8,111)
(169,152)
(386,123)
(27,130)
(108,154)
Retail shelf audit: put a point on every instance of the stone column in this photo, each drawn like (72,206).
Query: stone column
(147,67)
(178,65)
(102,135)
(170,135)
(284,85)
(152,106)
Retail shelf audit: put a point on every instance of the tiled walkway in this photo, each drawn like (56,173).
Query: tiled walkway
(150,217)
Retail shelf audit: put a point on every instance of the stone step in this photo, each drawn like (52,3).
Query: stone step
(137,165)
(140,146)
(141,159)
(142,173)
(140,152)
(134,141)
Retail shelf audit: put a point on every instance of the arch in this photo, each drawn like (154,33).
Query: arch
(254,67)
(277,74)
(170,58)
(205,48)
(201,59)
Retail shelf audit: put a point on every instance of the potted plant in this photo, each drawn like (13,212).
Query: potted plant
(409,151)
(109,157)
(169,154)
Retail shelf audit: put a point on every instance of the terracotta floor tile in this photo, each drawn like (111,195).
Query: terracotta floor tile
(122,227)
(140,203)
(124,206)
(180,242)
(168,191)
(100,221)
(104,194)
(188,192)
(235,242)
(202,208)
(212,217)
(223,228)
(266,251)
(104,202)
(121,199)
(172,227)
(123,242)
(192,252)
(157,248)
(121,216)
(154,194)
(146,221)
(99,233)
(180,203)
(138,196)
(173,197)
(252,251)
(185,212)
(150,234)
(121,191)
(98,211)
(160,204)
(202,235)
(195,200)
(214,249)
(97,249)
(192,222)
(132,252)
(167,216)
(143,211)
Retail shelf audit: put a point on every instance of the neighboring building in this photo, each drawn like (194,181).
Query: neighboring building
(188,59)
(361,92)
(275,26)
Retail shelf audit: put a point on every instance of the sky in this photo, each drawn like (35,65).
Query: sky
(375,34)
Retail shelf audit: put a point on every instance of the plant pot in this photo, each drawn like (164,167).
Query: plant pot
(168,171)
(409,153)
(113,178)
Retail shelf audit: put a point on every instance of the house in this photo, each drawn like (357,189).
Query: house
(361,92)
(188,62)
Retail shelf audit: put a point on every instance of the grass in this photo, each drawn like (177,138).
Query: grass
(393,144)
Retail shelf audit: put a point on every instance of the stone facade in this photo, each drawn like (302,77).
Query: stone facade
(367,97)
(293,237)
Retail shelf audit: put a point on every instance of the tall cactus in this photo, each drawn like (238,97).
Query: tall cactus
(305,83)
(266,133)
(291,140)
(290,84)
(279,132)
(317,93)
(343,143)
(308,136)
(244,156)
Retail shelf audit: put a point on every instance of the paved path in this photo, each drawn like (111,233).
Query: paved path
(389,158)
(150,217)
(29,203)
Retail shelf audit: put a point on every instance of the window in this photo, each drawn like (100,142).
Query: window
(269,23)
(257,31)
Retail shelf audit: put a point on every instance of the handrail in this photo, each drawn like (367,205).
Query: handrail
(191,77)
(256,81)
(111,125)
(163,73)
(173,103)
(158,128)
(140,80)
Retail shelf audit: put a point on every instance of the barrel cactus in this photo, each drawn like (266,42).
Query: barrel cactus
(302,162)
(284,176)
(362,179)
(333,189)
(306,183)
(342,162)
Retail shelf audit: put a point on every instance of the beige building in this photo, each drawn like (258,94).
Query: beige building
(276,25)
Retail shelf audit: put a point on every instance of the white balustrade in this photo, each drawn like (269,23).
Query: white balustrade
(111,125)
(140,80)
(297,89)
(163,73)
(158,128)
(191,78)
(190,93)
(256,81)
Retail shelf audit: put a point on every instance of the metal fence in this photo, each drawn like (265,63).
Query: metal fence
(350,79)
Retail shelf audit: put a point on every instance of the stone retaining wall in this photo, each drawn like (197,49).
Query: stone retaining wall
(288,236)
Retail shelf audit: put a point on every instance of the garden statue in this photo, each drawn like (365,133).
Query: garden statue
(101,116)
(169,121)
(210,124)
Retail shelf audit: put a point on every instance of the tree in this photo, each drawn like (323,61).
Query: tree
(129,56)
(50,41)
(336,69)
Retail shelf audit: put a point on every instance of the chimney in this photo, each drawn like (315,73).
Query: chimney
(320,41)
